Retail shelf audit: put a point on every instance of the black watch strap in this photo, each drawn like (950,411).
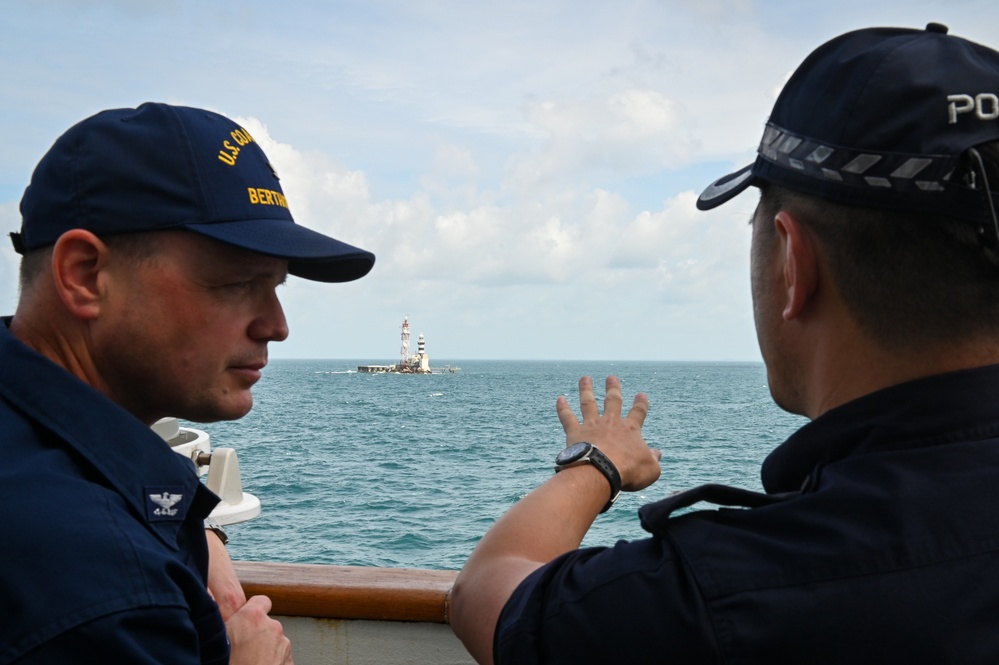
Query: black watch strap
(212,525)
(605,466)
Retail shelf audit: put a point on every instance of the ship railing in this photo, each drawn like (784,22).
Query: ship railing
(352,615)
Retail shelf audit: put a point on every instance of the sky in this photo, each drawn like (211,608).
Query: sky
(524,171)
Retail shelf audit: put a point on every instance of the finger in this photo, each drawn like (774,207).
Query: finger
(639,409)
(263,601)
(658,454)
(613,399)
(588,406)
(565,414)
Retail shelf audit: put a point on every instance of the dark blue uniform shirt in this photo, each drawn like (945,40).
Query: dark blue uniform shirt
(103,558)
(877,542)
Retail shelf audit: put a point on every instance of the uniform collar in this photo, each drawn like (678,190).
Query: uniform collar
(930,411)
(157,483)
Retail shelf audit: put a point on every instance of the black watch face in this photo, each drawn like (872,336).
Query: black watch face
(572,453)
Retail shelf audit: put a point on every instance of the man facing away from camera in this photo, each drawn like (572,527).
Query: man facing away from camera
(153,242)
(875,282)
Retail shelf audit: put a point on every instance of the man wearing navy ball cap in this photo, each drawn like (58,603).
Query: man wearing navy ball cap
(875,281)
(153,243)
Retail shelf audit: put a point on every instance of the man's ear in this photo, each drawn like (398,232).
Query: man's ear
(78,258)
(800,268)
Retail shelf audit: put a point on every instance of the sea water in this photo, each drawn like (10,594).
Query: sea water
(410,470)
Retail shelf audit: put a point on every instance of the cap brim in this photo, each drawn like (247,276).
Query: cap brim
(726,188)
(311,255)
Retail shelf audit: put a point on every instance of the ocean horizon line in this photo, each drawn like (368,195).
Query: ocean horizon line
(383,360)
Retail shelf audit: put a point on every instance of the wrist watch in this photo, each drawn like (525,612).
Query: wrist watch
(212,525)
(586,453)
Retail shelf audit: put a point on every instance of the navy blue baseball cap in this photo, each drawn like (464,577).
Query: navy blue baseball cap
(159,167)
(881,118)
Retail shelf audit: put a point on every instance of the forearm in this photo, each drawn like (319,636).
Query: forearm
(223,583)
(548,522)
(554,518)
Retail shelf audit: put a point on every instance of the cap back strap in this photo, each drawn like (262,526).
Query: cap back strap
(15,239)
(979,165)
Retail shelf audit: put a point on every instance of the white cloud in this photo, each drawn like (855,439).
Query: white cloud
(546,235)
(10,220)
(627,132)
(504,161)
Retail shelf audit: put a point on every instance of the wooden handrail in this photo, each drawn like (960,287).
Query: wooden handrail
(350,592)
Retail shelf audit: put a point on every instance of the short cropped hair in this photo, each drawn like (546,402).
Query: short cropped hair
(135,247)
(912,280)
(32,264)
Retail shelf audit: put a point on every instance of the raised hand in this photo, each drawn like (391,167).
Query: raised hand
(618,438)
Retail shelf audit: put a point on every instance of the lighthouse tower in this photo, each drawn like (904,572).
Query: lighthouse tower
(417,363)
(421,356)
(405,341)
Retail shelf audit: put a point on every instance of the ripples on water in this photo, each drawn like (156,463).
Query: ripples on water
(409,471)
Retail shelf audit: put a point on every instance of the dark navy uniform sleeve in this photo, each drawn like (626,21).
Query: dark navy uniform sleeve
(632,603)
(158,636)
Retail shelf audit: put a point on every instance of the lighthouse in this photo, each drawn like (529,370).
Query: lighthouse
(404,351)
(422,358)
(418,363)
